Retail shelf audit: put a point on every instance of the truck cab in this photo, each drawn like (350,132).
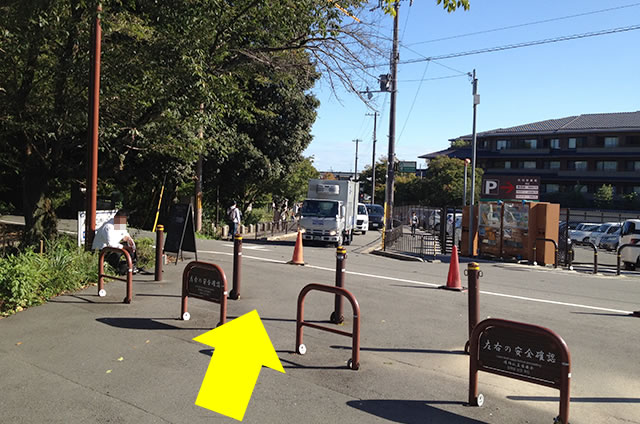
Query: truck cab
(329,212)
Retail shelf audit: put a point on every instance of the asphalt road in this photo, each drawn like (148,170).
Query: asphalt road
(81,358)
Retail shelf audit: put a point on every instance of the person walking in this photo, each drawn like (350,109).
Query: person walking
(235,216)
(414,223)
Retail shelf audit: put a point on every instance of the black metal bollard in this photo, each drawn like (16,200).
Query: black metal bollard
(159,243)
(473,279)
(237,267)
(341,263)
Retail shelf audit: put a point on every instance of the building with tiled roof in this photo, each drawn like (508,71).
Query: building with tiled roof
(576,153)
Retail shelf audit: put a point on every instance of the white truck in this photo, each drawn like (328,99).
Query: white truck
(329,212)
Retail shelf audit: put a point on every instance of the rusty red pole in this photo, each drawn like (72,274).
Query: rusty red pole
(341,259)
(101,291)
(237,267)
(473,275)
(159,243)
(94,117)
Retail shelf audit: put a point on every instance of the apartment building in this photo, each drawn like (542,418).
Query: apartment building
(576,153)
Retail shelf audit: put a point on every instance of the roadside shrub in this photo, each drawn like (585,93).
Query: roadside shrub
(146,252)
(28,278)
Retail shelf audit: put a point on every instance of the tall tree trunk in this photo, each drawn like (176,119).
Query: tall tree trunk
(39,216)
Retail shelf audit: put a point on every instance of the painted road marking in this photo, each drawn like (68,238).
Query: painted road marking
(421,283)
(250,247)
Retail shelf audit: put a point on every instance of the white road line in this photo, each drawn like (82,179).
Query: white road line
(421,283)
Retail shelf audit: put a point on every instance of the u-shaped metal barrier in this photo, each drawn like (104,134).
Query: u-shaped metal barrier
(354,362)
(555,247)
(129,280)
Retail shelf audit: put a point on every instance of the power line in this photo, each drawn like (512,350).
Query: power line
(469,34)
(435,78)
(517,45)
(414,102)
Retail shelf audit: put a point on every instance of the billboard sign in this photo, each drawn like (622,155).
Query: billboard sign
(510,187)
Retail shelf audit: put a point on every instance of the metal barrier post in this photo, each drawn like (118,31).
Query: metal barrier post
(159,243)
(129,280)
(237,267)
(473,279)
(354,362)
(595,257)
(555,251)
(341,260)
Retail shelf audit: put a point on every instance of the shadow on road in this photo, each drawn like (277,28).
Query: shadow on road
(403,350)
(576,399)
(412,411)
(145,324)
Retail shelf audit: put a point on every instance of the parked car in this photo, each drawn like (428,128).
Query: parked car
(630,234)
(362,219)
(610,241)
(376,215)
(582,232)
(603,229)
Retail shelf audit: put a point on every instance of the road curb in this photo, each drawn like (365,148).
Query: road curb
(399,256)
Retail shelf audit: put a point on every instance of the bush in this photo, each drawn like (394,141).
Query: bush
(28,278)
(146,252)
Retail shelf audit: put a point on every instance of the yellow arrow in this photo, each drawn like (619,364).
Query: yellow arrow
(242,348)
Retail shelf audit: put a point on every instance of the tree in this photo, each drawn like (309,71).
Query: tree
(294,185)
(444,182)
(460,143)
(160,62)
(381,178)
(603,197)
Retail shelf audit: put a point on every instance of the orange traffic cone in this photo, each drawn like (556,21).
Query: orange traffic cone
(453,278)
(297,251)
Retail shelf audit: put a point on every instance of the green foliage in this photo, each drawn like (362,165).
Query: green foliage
(258,215)
(29,278)
(448,5)
(603,197)
(146,252)
(443,184)
(381,179)
(459,143)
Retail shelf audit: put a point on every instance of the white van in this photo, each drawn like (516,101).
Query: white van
(630,234)
(362,219)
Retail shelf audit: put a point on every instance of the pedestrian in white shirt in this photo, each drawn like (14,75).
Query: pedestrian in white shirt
(113,233)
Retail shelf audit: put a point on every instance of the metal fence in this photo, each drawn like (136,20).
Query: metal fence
(441,223)
(422,245)
(587,256)
(270,229)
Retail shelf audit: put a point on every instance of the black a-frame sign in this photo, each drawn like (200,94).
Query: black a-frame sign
(181,231)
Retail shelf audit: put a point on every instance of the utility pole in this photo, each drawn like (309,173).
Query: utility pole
(476,102)
(373,157)
(392,124)
(355,172)
(94,122)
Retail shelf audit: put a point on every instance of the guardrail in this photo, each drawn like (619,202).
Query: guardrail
(354,362)
(101,275)
(555,247)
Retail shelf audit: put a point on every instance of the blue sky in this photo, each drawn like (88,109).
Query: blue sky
(589,75)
